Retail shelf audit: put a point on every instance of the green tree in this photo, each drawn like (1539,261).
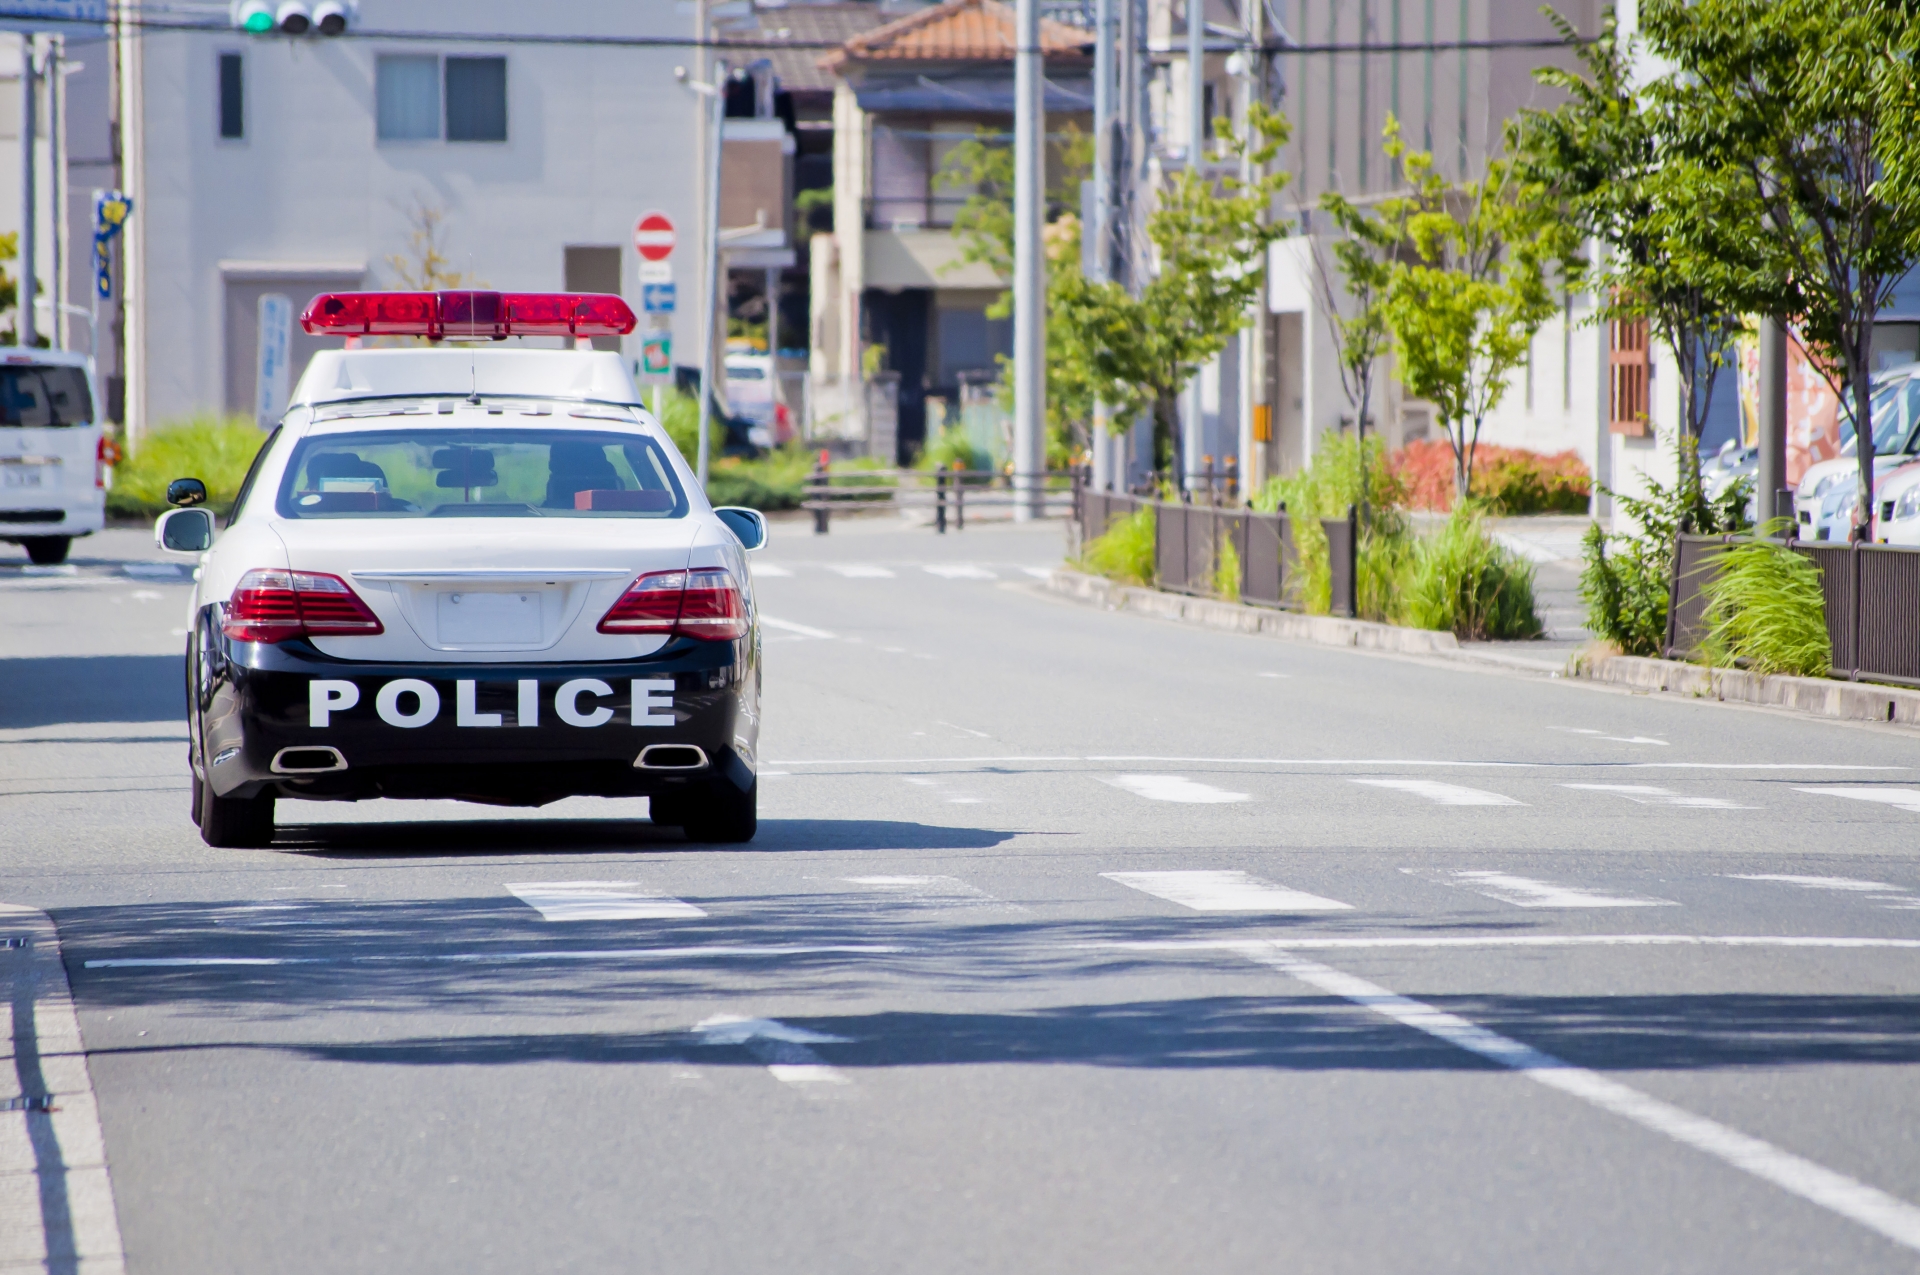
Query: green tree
(1805,107)
(1210,238)
(1471,286)
(1355,311)
(1677,234)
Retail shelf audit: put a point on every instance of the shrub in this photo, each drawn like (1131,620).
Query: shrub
(1226,570)
(775,480)
(216,450)
(952,444)
(680,417)
(1765,610)
(1326,488)
(1507,480)
(1125,552)
(1463,581)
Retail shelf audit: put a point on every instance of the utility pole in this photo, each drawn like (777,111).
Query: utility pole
(29,127)
(1029,265)
(710,262)
(1192,435)
(1100,255)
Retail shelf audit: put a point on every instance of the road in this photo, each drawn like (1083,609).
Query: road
(1071,941)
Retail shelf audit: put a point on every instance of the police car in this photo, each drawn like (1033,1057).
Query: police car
(55,463)
(478,572)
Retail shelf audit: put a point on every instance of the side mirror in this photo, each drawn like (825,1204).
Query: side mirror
(748,524)
(186,491)
(185,530)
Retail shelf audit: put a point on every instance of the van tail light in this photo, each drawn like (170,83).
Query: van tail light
(703,604)
(270,605)
(105,457)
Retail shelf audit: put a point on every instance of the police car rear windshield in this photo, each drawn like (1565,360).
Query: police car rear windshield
(491,473)
(44,396)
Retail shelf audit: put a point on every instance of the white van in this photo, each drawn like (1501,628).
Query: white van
(53,468)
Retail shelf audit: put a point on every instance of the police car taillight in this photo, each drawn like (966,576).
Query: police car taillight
(699,604)
(467,315)
(270,605)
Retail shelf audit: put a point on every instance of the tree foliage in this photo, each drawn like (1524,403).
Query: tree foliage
(1805,109)
(1209,235)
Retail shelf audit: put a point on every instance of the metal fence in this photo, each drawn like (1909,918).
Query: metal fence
(1188,542)
(1872,597)
(951,495)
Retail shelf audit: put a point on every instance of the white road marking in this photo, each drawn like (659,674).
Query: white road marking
(1813,883)
(1308,943)
(960,571)
(511,958)
(1039,573)
(1649,795)
(770,570)
(599,901)
(50,1154)
(1869,1206)
(1276,675)
(860,571)
(1172,788)
(1371,763)
(1224,891)
(799,630)
(1444,794)
(964,730)
(1900,798)
(1525,892)
(782,1048)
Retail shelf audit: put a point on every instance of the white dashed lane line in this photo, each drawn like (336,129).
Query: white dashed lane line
(1443,794)
(959,571)
(798,630)
(782,1048)
(1899,798)
(1649,795)
(860,570)
(600,901)
(1525,892)
(1224,891)
(1172,788)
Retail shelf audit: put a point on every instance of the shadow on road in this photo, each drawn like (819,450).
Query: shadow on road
(56,690)
(584,836)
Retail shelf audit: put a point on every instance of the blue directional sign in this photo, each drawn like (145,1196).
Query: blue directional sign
(656,298)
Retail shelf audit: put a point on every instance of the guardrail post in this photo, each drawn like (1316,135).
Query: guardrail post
(817,481)
(939,502)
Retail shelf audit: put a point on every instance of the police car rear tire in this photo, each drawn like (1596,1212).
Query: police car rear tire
(47,551)
(726,817)
(235,823)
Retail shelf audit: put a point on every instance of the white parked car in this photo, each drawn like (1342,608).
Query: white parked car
(1821,506)
(54,459)
(479,572)
(1898,495)
(752,395)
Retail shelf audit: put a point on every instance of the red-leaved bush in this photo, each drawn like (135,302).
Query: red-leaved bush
(1512,480)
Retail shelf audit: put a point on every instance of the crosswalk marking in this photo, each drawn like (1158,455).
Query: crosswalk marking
(798,630)
(959,571)
(599,901)
(1649,795)
(770,570)
(1224,891)
(1900,798)
(1444,794)
(1812,883)
(1525,892)
(860,571)
(1039,573)
(1172,788)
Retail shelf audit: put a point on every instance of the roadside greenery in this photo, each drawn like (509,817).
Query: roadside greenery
(1462,580)
(1125,552)
(1765,610)
(215,449)
(1510,480)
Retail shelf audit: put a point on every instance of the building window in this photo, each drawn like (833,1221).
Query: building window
(476,99)
(407,89)
(233,109)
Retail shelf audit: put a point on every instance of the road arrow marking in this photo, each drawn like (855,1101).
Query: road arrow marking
(782,1048)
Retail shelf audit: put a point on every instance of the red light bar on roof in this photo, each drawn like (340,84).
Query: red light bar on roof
(467,315)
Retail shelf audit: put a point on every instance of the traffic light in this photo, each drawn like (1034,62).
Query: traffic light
(294,17)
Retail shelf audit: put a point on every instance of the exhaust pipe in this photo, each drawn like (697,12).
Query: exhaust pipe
(307,759)
(671,757)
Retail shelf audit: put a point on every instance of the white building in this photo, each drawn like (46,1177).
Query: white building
(265,164)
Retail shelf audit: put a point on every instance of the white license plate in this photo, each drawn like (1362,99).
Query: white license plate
(18,476)
(484,619)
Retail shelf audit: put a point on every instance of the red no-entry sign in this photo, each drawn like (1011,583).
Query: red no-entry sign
(653,236)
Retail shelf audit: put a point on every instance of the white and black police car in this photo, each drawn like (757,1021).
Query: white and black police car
(469,571)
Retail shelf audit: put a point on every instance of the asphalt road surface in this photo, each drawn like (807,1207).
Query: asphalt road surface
(1071,941)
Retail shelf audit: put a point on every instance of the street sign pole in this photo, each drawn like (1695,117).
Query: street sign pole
(710,268)
(1029,265)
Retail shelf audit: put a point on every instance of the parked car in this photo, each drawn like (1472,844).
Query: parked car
(1726,467)
(753,393)
(55,462)
(1898,496)
(1895,408)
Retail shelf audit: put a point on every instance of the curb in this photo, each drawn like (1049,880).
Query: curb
(1815,696)
(1324,630)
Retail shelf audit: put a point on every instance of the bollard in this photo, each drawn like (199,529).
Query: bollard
(940,502)
(818,481)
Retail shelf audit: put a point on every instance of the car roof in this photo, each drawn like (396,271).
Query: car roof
(336,376)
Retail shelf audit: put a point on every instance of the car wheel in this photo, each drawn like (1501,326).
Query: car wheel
(47,551)
(235,823)
(667,812)
(727,817)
